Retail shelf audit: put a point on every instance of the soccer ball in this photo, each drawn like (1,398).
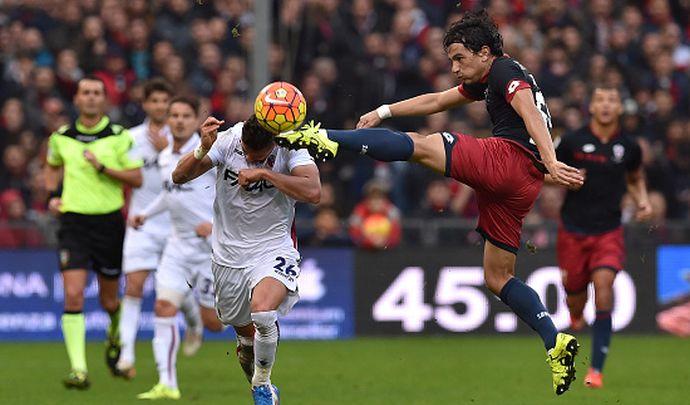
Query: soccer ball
(280,107)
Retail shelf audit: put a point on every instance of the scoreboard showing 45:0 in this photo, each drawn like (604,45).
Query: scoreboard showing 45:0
(430,292)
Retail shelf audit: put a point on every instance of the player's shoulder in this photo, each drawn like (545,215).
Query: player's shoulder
(63,130)
(117,129)
(506,64)
(231,134)
(138,131)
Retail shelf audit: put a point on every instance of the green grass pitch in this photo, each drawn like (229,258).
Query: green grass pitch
(410,370)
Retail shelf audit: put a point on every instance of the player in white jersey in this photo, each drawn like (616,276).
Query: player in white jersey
(143,247)
(255,260)
(186,260)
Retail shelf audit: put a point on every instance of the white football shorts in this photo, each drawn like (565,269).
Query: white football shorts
(234,286)
(186,264)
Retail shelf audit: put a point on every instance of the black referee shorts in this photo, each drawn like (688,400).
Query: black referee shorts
(92,242)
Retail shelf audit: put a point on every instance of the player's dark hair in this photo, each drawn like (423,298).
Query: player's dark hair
(474,31)
(93,79)
(190,101)
(254,136)
(157,84)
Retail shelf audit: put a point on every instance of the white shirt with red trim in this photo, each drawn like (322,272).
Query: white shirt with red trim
(250,222)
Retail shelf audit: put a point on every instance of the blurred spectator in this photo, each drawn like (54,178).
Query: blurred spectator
(15,175)
(116,76)
(375,221)
(68,73)
(14,232)
(328,230)
(12,122)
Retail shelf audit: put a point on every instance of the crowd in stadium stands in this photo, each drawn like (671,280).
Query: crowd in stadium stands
(348,57)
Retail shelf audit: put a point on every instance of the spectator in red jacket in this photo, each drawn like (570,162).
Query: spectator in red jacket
(375,221)
(15,231)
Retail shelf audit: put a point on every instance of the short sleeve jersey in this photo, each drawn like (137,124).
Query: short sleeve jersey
(595,207)
(85,190)
(257,219)
(507,76)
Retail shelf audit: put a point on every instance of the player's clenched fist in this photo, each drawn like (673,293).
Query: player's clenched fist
(136,221)
(209,131)
(249,176)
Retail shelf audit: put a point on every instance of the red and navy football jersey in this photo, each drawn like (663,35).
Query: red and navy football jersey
(596,207)
(507,76)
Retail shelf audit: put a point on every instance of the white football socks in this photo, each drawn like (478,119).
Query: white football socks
(129,325)
(166,342)
(265,344)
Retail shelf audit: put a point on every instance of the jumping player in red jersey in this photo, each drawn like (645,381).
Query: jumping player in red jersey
(506,170)
(590,238)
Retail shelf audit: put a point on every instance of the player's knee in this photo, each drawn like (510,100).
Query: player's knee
(264,321)
(134,287)
(495,279)
(74,299)
(164,308)
(109,304)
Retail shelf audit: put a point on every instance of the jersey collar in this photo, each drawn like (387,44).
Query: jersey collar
(100,126)
(600,138)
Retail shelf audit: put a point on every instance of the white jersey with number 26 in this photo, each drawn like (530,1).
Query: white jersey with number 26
(251,221)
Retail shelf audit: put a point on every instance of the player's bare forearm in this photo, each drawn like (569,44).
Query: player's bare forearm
(302,184)
(429,103)
(189,168)
(424,104)
(637,186)
(130,177)
(53,175)
(523,104)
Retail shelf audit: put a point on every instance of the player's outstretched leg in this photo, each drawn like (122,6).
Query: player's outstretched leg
(602,328)
(382,144)
(193,335)
(561,348)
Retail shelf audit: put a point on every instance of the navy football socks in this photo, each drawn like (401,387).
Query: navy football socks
(525,302)
(601,331)
(382,144)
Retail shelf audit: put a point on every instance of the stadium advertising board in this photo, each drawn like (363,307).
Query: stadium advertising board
(673,274)
(326,308)
(31,299)
(437,291)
